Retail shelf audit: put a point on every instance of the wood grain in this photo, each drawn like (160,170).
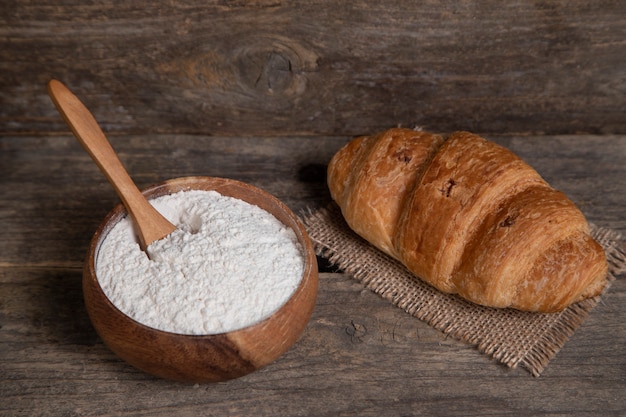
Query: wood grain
(358,356)
(326,68)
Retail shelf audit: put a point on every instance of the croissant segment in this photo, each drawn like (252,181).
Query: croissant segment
(469,217)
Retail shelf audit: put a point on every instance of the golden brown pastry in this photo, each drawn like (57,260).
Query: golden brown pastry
(469,217)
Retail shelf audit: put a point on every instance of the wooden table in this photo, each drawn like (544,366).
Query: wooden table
(358,356)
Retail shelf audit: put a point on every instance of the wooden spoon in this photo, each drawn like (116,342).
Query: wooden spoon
(151,225)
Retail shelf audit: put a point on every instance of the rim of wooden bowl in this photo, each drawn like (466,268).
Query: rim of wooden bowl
(213,357)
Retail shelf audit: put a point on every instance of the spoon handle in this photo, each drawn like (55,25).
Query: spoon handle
(151,225)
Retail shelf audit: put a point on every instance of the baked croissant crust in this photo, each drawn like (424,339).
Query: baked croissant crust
(469,217)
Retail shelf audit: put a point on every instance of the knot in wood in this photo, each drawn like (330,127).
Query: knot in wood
(274,67)
(276,73)
(356,331)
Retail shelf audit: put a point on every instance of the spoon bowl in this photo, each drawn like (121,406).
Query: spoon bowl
(203,358)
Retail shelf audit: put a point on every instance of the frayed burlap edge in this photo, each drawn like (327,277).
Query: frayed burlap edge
(512,337)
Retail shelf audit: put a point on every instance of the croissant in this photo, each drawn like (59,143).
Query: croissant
(469,217)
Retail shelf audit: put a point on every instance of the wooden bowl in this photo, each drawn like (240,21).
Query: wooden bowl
(204,358)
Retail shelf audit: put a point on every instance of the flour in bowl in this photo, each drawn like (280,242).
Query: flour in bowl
(229,264)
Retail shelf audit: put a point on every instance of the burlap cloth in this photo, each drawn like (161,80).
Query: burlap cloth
(510,336)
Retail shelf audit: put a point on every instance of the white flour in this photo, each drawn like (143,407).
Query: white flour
(230,264)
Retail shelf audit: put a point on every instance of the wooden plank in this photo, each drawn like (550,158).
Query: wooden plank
(52,189)
(358,356)
(325,68)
